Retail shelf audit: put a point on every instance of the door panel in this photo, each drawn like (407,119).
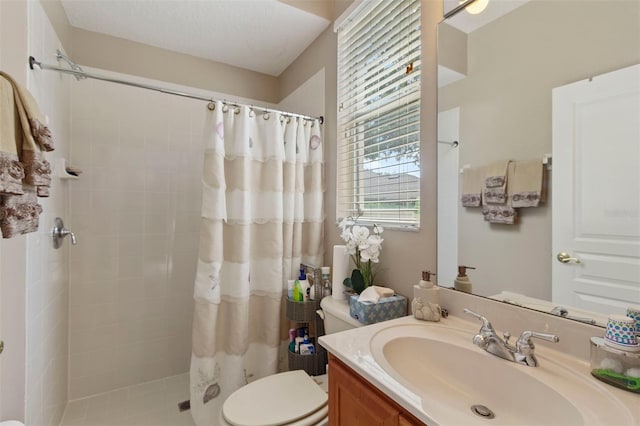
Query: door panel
(596,191)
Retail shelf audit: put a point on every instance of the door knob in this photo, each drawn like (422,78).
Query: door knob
(566,258)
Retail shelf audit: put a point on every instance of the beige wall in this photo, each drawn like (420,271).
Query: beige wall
(505,114)
(115,54)
(404,253)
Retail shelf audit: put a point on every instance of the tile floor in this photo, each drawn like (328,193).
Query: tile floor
(151,404)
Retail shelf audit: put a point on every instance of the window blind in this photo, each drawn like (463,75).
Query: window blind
(379,114)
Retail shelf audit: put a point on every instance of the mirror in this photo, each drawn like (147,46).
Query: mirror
(496,73)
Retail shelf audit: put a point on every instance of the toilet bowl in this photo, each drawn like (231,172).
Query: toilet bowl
(292,398)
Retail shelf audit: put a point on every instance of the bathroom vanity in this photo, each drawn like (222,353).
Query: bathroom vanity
(355,401)
(410,372)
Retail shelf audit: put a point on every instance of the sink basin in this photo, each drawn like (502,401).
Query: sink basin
(450,375)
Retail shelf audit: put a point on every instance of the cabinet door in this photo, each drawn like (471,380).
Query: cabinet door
(406,420)
(354,403)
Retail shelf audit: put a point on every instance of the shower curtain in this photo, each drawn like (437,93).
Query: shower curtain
(262,214)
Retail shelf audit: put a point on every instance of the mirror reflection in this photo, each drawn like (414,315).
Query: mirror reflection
(544,93)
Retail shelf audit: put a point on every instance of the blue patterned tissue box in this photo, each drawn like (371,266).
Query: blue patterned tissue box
(387,308)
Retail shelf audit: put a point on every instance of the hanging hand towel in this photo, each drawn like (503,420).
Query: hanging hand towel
(36,138)
(526,188)
(472,183)
(19,214)
(11,170)
(504,214)
(496,182)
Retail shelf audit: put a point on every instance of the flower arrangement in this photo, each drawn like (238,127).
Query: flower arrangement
(364,247)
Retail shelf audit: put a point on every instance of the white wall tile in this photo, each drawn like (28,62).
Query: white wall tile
(47,269)
(134,219)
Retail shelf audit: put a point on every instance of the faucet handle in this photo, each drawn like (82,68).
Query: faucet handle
(486,325)
(525,345)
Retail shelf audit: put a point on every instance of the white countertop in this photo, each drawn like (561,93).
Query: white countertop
(354,349)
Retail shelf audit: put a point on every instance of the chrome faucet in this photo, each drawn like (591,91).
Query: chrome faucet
(522,353)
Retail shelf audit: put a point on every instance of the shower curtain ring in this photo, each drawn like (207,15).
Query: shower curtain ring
(265,115)
(236,111)
(225,108)
(211,106)
(251,112)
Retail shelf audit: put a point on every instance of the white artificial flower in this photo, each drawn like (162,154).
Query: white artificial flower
(360,234)
(375,241)
(377,229)
(371,254)
(351,247)
(345,222)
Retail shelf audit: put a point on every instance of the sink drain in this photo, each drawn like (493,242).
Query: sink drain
(482,411)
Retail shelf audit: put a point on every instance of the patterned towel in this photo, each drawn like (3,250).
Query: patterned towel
(495,182)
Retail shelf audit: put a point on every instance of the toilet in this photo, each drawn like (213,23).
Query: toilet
(276,400)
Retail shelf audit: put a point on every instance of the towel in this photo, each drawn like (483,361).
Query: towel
(496,182)
(472,183)
(11,170)
(526,188)
(36,138)
(504,214)
(19,214)
(32,118)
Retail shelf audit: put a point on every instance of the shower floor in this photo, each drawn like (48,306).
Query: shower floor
(153,404)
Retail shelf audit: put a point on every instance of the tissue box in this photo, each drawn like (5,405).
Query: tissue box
(387,308)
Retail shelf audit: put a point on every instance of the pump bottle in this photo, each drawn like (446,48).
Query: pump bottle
(462,281)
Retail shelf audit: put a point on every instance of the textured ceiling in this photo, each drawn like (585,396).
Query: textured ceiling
(259,35)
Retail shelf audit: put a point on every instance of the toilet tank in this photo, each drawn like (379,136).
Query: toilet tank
(336,315)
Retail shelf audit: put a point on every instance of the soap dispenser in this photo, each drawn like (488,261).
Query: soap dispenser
(462,281)
(426,299)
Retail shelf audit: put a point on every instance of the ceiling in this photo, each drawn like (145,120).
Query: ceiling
(259,35)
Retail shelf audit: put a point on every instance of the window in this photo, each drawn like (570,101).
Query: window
(379,113)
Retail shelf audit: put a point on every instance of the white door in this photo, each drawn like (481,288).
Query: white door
(448,178)
(596,192)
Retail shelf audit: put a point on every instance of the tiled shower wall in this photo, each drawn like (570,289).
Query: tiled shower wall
(136,213)
(47,269)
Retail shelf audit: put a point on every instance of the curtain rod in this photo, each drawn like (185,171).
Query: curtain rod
(79,73)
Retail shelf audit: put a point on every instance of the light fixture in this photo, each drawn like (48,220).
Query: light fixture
(477,6)
(472,6)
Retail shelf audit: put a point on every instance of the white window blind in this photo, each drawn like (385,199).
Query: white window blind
(379,113)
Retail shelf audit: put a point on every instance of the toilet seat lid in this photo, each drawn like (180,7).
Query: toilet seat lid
(274,400)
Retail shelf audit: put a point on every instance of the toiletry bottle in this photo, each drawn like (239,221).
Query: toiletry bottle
(426,299)
(292,338)
(290,284)
(311,295)
(298,292)
(462,281)
(326,281)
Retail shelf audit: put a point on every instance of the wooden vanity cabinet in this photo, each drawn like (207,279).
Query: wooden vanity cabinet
(353,401)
